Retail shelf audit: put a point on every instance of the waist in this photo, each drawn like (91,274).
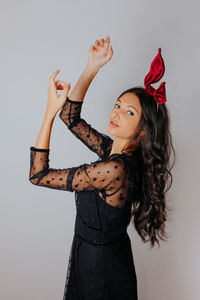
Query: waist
(98,236)
(101,242)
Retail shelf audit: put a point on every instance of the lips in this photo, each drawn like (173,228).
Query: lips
(114,124)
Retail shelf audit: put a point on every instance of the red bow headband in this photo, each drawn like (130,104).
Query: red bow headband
(156,72)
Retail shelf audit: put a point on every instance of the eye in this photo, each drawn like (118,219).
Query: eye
(127,110)
(131,112)
(116,104)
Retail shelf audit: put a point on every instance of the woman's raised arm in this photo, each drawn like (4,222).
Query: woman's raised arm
(100,143)
(54,104)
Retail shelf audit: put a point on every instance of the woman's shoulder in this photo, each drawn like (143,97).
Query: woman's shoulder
(130,160)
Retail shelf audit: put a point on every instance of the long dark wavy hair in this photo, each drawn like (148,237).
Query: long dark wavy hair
(149,209)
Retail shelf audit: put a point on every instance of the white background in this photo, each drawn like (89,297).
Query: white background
(36,224)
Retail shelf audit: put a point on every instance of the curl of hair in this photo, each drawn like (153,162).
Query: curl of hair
(149,209)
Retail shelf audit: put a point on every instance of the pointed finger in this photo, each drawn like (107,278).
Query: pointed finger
(52,78)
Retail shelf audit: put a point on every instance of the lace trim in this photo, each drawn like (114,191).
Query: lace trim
(39,149)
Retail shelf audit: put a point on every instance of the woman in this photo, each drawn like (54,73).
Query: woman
(127,180)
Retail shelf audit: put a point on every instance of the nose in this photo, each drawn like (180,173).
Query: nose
(114,115)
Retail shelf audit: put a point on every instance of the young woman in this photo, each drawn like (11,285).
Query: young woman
(127,180)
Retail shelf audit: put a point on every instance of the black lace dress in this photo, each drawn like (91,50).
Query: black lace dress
(101,265)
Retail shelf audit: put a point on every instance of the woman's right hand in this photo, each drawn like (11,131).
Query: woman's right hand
(100,53)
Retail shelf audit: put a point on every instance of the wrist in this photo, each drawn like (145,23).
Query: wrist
(49,115)
(92,69)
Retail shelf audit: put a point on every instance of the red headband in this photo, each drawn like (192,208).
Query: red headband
(156,72)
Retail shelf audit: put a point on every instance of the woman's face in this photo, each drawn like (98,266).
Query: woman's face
(126,114)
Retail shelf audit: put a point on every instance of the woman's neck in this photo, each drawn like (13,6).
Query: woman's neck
(117,146)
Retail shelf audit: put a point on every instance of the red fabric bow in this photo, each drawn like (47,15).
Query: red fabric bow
(156,72)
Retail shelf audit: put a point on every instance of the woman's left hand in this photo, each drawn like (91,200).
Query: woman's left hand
(56,101)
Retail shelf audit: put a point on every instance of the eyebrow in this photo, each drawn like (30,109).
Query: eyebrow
(129,105)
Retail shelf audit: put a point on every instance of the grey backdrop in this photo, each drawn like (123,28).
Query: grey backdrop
(36,224)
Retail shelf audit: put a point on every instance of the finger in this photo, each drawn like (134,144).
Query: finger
(102,42)
(67,85)
(107,42)
(60,84)
(92,48)
(66,89)
(96,43)
(52,78)
(111,50)
(109,53)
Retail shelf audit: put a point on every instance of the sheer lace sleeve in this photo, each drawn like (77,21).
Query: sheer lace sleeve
(108,176)
(98,142)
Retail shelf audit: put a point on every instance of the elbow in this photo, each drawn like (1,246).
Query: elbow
(38,178)
(33,181)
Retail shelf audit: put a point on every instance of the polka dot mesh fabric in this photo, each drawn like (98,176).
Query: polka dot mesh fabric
(96,141)
(109,177)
